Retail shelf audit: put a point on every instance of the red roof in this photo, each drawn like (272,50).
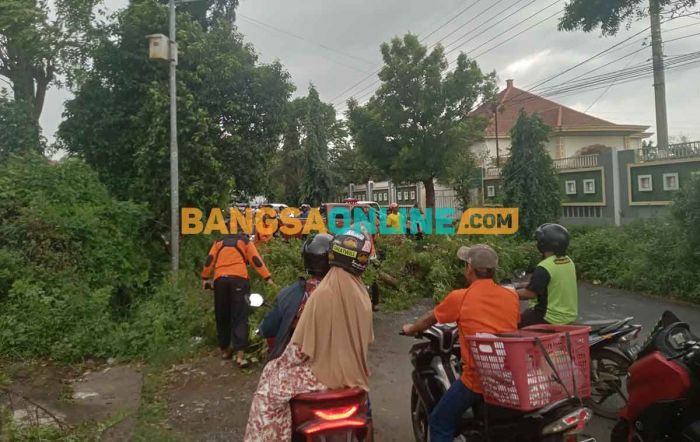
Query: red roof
(555,115)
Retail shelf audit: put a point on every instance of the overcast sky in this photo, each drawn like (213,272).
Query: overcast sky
(334,44)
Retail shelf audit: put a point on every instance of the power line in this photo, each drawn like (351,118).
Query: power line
(484,24)
(454,17)
(299,37)
(361,93)
(376,71)
(516,25)
(466,23)
(360,97)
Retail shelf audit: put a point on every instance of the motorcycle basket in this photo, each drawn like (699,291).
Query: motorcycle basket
(533,367)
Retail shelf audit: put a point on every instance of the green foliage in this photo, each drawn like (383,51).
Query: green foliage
(316,184)
(19,129)
(419,118)
(530,181)
(303,171)
(646,256)
(686,212)
(430,268)
(230,112)
(78,278)
(37,44)
(611,15)
(463,176)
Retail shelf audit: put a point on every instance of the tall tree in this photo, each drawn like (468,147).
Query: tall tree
(19,130)
(610,15)
(302,173)
(419,118)
(38,45)
(530,181)
(316,185)
(208,12)
(230,112)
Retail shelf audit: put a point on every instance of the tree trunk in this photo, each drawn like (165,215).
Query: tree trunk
(429,194)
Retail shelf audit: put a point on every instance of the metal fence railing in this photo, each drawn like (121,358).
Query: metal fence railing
(579,162)
(674,151)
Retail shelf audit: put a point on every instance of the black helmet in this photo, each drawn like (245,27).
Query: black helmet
(350,250)
(552,238)
(315,254)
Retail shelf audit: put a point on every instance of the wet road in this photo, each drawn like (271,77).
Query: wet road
(391,368)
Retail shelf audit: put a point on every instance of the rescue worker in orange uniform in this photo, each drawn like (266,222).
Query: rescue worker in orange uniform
(228,259)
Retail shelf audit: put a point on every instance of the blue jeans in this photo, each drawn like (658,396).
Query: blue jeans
(448,412)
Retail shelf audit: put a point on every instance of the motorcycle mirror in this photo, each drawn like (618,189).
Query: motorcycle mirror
(256,300)
(519,274)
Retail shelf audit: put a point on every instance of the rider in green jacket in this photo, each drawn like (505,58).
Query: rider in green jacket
(552,289)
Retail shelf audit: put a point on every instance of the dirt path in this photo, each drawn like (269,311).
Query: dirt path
(208,399)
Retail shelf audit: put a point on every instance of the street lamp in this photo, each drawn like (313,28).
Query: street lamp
(164,48)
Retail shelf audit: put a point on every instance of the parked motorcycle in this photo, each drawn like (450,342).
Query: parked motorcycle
(664,387)
(327,416)
(612,354)
(436,365)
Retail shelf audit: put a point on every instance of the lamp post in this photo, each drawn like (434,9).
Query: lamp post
(165,48)
(174,172)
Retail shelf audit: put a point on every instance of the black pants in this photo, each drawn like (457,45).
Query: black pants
(231,311)
(532,316)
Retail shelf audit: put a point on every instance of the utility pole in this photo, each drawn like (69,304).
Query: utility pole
(174,173)
(495,116)
(659,76)
(498,155)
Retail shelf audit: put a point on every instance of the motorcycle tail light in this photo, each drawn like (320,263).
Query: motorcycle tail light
(334,414)
(571,423)
(319,426)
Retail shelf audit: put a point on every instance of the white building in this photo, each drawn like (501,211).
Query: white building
(573,133)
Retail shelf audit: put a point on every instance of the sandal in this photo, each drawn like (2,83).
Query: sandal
(243,363)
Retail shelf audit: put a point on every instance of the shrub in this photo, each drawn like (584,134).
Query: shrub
(78,278)
(646,256)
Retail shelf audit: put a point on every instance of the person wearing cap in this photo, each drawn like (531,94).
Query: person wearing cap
(482,307)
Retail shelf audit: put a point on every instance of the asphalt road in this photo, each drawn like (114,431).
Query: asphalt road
(391,369)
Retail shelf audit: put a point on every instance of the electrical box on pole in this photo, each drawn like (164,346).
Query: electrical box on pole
(158,47)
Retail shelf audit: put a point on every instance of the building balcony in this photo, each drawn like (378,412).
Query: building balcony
(674,152)
(577,162)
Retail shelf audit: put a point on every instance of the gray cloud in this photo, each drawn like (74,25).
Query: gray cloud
(358,27)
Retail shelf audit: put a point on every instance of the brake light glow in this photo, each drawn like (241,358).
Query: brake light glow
(316,427)
(334,414)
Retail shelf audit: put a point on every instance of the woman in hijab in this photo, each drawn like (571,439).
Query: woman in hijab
(328,349)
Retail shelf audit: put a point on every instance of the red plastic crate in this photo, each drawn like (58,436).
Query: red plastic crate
(515,373)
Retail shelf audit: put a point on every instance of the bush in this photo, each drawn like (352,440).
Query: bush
(78,279)
(648,256)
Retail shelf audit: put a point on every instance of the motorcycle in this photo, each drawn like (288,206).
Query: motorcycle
(664,387)
(437,364)
(612,353)
(327,416)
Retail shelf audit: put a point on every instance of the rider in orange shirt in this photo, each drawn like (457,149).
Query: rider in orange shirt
(482,307)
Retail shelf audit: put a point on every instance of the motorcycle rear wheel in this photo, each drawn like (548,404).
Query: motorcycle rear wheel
(419,417)
(609,370)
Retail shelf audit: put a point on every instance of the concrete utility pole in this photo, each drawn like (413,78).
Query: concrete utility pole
(174,173)
(659,76)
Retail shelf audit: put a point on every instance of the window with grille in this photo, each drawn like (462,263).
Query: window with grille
(582,211)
